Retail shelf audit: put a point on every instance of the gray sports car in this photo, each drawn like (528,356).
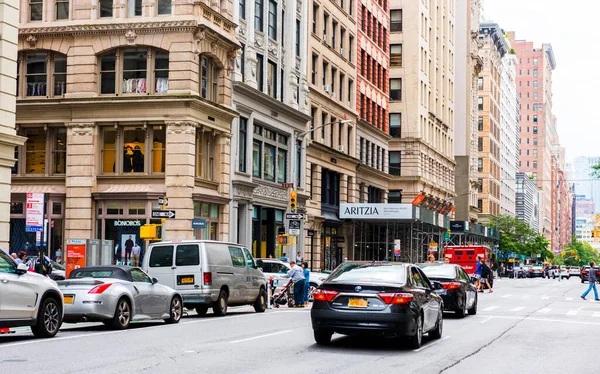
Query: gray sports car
(117,295)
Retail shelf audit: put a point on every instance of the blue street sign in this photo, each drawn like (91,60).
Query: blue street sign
(33,228)
(198,223)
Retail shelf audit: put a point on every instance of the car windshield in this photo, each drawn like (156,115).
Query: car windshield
(91,274)
(448,272)
(370,273)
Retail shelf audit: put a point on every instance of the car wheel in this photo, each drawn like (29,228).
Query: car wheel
(260,305)
(175,311)
(416,340)
(311,288)
(220,306)
(462,312)
(322,337)
(49,319)
(439,327)
(201,310)
(122,317)
(473,309)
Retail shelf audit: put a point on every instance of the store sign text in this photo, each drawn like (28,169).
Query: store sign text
(376,211)
(127,223)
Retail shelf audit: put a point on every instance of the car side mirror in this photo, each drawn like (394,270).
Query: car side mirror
(22,269)
(154,280)
(437,285)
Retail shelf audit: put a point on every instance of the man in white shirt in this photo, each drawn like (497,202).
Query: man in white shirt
(135,255)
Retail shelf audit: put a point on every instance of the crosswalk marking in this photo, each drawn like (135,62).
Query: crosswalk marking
(569,299)
(544,310)
(517,309)
(490,308)
(545,297)
(525,297)
(505,296)
(572,312)
(596,314)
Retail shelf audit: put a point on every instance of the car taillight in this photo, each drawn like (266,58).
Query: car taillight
(451,285)
(100,288)
(396,298)
(208,279)
(325,295)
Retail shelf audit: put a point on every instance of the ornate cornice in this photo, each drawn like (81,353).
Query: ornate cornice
(112,28)
(217,18)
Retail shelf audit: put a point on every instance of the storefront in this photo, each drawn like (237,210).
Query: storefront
(267,223)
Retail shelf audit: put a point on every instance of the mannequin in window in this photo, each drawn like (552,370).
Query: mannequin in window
(138,160)
(128,159)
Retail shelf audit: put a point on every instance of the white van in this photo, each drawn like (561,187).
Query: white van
(208,274)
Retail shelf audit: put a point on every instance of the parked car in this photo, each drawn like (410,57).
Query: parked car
(574,271)
(116,295)
(516,272)
(387,299)
(275,268)
(58,271)
(459,293)
(535,272)
(554,272)
(28,299)
(208,273)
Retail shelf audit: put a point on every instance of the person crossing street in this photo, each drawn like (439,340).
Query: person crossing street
(297,275)
(593,278)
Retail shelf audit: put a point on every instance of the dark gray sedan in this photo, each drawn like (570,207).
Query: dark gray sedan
(117,295)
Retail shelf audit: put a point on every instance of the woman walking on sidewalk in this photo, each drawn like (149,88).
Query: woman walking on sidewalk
(593,279)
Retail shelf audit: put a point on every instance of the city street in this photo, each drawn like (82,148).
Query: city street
(531,324)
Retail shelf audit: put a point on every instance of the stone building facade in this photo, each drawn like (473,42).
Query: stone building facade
(122,103)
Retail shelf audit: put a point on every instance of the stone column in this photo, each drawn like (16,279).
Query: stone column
(80,180)
(9,20)
(222,175)
(179,178)
(344,189)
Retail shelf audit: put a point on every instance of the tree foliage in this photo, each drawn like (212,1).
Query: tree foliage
(578,254)
(518,237)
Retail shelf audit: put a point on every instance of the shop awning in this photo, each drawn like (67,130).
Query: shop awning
(131,188)
(25,188)
(331,217)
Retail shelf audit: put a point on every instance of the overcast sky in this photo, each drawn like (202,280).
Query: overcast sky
(572,29)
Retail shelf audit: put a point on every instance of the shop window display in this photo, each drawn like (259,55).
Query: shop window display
(135,141)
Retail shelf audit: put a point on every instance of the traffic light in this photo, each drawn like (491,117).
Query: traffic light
(293,200)
(286,240)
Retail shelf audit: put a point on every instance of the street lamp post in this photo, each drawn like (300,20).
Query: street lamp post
(300,136)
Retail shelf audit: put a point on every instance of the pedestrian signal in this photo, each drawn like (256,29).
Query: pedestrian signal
(293,200)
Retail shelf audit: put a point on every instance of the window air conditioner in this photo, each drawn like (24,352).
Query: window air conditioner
(325,38)
(341,148)
(333,95)
(326,88)
(342,51)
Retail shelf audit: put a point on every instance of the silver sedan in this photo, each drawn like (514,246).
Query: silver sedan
(117,295)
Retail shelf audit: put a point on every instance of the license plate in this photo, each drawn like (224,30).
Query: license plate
(187,280)
(358,303)
(68,299)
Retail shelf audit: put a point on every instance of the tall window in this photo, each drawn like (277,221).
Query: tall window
(205,155)
(480,103)
(535,84)
(256,159)
(396,125)
(535,118)
(535,72)
(35,151)
(242,7)
(395,196)
(258,15)
(314,18)
(106,8)
(535,96)
(396,89)
(62,9)
(480,164)
(209,78)
(242,144)
(36,10)
(480,83)
(297,38)
(164,7)
(260,73)
(134,8)
(271,163)
(535,62)
(273,19)
(535,130)
(272,79)
(394,163)
(142,70)
(350,91)
(45,74)
(480,123)
(395,20)
(396,55)
(143,149)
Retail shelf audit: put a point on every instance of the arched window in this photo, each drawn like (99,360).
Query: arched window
(209,78)
(142,70)
(41,73)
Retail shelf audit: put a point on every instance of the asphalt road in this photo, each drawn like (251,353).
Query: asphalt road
(526,325)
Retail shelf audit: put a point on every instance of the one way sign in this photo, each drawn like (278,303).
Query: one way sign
(163,214)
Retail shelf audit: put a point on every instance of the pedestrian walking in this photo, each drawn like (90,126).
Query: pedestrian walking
(299,258)
(135,255)
(128,247)
(477,275)
(593,279)
(501,270)
(559,270)
(486,273)
(306,283)
(296,274)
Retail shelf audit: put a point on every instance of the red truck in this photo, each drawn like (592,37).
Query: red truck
(468,255)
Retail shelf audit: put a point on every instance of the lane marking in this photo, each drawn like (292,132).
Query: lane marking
(189,351)
(596,314)
(545,297)
(431,344)
(569,299)
(546,320)
(572,312)
(487,319)
(61,338)
(261,336)
(525,297)
(490,308)
(517,309)
(505,296)
(544,310)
